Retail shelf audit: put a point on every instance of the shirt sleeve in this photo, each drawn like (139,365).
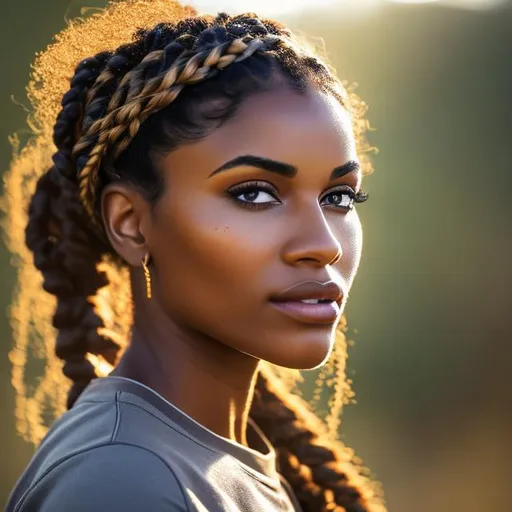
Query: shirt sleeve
(113,477)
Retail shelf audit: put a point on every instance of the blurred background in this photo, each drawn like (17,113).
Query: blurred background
(429,309)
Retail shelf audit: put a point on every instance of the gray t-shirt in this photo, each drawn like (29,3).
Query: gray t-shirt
(123,447)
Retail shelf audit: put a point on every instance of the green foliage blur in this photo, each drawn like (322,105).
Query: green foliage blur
(429,306)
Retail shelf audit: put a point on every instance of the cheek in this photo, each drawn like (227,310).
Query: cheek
(209,258)
(351,239)
(348,231)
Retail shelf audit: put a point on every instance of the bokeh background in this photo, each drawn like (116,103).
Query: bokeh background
(429,309)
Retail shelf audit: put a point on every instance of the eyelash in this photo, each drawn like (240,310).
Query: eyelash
(246,187)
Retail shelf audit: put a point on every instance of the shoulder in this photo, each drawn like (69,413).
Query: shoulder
(114,476)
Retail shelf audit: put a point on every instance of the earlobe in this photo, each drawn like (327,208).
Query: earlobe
(122,210)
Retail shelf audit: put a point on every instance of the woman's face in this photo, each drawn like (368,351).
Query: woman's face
(221,251)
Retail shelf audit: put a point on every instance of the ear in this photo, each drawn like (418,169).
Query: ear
(124,210)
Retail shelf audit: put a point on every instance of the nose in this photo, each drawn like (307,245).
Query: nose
(312,240)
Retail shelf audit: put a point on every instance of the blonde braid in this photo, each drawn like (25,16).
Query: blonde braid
(161,91)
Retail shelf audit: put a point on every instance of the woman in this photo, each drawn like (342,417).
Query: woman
(213,162)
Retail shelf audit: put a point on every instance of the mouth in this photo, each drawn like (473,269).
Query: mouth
(311,302)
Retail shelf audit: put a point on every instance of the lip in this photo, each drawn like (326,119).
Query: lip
(309,313)
(289,301)
(311,290)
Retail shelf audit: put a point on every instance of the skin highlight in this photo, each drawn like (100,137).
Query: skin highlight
(226,261)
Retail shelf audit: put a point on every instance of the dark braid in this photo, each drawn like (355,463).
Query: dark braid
(65,249)
(317,468)
(171,85)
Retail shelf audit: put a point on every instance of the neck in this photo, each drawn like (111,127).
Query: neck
(206,379)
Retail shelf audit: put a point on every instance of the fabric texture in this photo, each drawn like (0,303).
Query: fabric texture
(123,447)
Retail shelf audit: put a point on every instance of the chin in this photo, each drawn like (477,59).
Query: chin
(307,353)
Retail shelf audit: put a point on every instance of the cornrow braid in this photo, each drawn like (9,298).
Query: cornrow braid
(67,126)
(123,121)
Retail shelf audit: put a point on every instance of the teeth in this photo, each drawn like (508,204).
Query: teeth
(311,301)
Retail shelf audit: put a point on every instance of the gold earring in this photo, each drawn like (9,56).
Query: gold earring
(147,275)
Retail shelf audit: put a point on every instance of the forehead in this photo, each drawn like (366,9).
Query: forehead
(308,130)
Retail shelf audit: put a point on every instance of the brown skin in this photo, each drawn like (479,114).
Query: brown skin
(199,340)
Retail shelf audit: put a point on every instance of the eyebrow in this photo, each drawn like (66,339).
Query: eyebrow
(286,170)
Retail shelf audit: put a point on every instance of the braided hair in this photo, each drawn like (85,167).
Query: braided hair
(174,82)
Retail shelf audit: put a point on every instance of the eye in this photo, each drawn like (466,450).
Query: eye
(344,198)
(254,195)
(260,195)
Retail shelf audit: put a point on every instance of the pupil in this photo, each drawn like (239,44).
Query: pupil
(336,198)
(251,196)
